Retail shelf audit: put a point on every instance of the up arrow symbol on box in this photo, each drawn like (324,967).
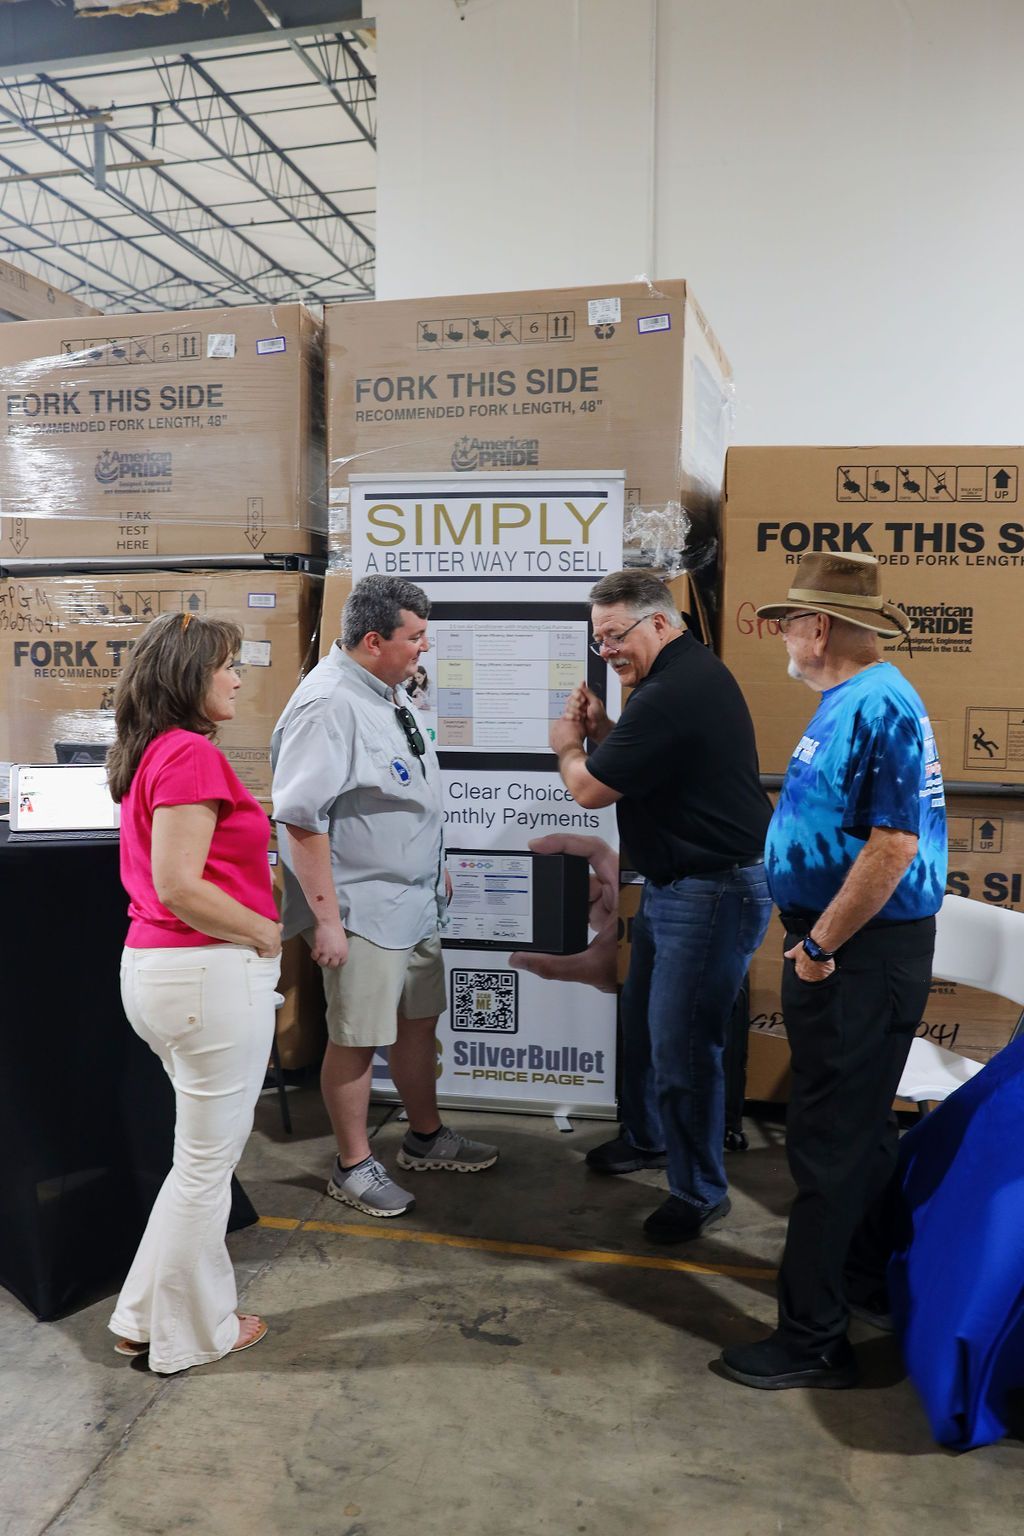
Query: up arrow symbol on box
(987,831)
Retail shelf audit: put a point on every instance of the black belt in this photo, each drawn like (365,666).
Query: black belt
(714,874)
(800,924)
(730,869)
(880,941)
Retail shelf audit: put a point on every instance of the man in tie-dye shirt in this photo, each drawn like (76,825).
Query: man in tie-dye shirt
(856,863)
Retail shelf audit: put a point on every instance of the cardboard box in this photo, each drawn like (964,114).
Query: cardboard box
(337,586)
(64,640)
(24,297)
(187,433)
(769,1073)
(629,905)
(768,1059)
(765,982)
(986,863)
(627,376)
(986,848)
(947,525)
(301,1024)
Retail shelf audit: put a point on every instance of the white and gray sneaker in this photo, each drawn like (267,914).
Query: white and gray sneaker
(369,1188)
(448,1151)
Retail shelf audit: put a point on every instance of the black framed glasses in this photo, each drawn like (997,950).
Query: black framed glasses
(613,643)
(413,734)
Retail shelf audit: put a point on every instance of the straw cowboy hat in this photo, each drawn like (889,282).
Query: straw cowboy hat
(844,587)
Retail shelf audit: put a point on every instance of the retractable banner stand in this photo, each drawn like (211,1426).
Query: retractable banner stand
(508,561)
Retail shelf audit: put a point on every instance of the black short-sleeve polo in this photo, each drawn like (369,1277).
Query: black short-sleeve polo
(683,757)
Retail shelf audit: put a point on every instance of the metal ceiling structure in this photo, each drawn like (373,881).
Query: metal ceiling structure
(190,165)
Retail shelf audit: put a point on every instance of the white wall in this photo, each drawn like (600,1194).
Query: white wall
(513,144)
(837,178)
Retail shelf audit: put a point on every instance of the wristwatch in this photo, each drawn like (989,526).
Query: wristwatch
(814,951)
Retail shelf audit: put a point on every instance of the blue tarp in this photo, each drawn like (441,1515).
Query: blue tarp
(957,1278)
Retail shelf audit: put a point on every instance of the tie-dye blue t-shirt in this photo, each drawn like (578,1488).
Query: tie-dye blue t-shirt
(867,759)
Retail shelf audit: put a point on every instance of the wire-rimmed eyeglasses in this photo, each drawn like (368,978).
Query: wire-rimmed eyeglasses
(613,643)
(788,618)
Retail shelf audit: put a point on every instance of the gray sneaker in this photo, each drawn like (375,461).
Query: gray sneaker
(369,1188)
(449,1151)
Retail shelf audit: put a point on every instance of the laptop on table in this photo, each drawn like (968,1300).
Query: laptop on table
(66,801)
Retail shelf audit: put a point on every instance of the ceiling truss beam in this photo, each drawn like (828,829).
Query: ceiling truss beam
(150,239)
(261,162)
(142,274)
(161,202)
(71,283)
(357,106)
(45,35)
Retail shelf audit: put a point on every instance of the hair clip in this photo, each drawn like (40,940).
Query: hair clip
(185,622)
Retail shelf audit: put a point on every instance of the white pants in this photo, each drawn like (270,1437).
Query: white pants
(208,1013)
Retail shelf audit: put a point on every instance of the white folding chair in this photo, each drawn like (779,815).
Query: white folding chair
(932,1073)
(981,946)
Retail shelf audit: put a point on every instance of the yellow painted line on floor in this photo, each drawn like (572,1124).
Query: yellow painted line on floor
(516,1250)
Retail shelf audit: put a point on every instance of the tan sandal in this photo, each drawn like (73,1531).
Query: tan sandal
(260,1332)
(131,1347)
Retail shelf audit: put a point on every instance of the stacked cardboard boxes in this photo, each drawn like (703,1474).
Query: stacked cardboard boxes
(947,524)
(301,1025)
(337,586)
(189,433)
(64,641)
(627,377)
(186,437)
(24,297)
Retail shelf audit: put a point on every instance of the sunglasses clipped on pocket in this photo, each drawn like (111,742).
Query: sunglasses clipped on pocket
(413,734)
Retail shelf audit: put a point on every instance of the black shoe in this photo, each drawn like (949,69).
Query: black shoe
(873,1309)
(676,1221)
(620,1156)
(771,1365)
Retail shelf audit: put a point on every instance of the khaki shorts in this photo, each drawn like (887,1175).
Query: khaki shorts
(375,985)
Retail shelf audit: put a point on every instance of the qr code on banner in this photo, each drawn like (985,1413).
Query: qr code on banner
(485,1000)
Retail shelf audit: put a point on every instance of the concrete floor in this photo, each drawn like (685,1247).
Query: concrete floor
(423,1387)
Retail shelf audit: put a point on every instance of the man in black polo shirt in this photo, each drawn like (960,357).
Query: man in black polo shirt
(681,767)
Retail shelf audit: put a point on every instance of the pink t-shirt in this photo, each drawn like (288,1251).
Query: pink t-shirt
(182,768)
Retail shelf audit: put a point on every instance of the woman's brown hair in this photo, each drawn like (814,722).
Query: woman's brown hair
(163,686)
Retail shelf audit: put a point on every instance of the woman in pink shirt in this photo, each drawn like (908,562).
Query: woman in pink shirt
(200,964)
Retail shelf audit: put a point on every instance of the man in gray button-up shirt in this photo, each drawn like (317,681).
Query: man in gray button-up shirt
(357,788)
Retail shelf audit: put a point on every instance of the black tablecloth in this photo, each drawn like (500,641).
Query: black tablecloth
(86,1110)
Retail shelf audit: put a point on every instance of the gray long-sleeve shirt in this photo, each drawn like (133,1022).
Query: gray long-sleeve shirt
(342,765)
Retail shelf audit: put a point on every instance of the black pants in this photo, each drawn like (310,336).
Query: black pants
(849,1036)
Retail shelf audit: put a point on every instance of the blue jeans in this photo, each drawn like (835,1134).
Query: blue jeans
(692,944)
